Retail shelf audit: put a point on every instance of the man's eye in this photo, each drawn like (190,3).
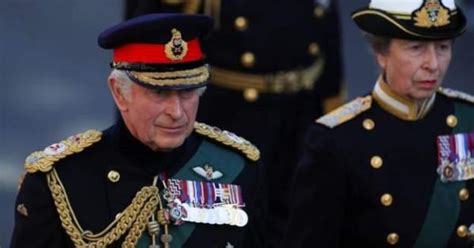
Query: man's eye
(160,92)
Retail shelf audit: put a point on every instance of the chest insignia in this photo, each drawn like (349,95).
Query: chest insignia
(455,162)
(208,172)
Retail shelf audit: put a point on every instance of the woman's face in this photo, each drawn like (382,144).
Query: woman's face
(415,69)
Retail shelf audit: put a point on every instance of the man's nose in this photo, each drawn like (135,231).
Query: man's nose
(173,106)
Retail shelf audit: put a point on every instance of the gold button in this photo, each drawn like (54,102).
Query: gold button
(313,48)
(113,176)
(251,94)
(393,238)
(241,23)
(247,59)
(386,200)
(318,11)
(376,162)
(451,120)
(368,124)
(462,231)
(464,194)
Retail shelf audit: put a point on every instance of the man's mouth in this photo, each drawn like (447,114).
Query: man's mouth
(172,129)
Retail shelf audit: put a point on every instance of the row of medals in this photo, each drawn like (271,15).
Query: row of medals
(227,214)
(220,215)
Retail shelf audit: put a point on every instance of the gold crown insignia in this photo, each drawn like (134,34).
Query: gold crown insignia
(176,48)
(431,14)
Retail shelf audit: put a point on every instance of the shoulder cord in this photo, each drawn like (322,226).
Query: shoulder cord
(133,218)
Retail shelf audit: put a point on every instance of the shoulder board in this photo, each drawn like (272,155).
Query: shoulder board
(229,139)
(456,94)
(346,112)
(43,160)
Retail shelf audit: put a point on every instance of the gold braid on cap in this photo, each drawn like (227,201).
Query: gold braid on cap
(132,220)
(229,139)
(43,160)
(173,78)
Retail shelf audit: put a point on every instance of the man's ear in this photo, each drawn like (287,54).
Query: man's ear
(119,98)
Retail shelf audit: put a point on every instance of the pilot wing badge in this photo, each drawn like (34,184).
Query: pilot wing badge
(208,172)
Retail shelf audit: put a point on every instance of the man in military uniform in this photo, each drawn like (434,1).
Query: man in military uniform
(275,66)
(156,177)
(394,167)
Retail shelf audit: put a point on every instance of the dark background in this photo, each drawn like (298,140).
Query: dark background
(53,77)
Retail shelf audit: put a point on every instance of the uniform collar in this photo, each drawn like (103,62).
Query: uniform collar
(400,106)
(153,162)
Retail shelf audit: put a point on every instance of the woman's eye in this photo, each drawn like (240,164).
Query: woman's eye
(444,46)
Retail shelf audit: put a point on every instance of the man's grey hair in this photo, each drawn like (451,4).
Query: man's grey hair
(124,83)
(201,90)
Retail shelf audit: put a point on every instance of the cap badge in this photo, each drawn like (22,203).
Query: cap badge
(176,48)
(431,13)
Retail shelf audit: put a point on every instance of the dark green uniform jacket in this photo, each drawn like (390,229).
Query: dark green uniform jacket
(368,177)
(101,174)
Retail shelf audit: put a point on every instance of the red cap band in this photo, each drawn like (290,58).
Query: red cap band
(155,54)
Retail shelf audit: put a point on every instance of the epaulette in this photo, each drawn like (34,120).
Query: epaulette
(456,94)
(43,160)
(229,139)
(346,112)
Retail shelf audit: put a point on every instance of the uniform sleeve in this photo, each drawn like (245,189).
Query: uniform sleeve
(318,194)
(36,220)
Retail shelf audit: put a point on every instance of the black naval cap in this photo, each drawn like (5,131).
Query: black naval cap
(160,51)
(412,19)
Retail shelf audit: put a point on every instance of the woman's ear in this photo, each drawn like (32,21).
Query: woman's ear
(381,60)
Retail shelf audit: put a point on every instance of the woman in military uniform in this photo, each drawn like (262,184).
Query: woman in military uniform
(393,167)
(156,177)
